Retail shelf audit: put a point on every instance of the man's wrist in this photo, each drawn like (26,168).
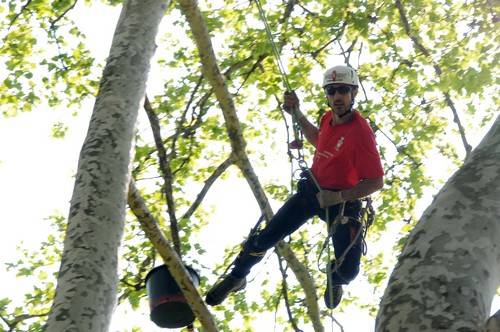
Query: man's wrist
(298,114)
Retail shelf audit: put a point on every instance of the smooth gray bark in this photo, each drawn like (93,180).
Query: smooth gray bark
(449,270)
(87,281)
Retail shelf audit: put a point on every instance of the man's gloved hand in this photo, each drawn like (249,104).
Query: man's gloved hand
(328,198)
(291,102)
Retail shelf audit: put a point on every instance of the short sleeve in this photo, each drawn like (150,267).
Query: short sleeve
(366,156)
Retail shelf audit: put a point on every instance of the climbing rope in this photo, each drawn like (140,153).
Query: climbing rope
(298,137)
(276,53)
(366,220)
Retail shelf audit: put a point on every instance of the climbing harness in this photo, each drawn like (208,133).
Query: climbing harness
(366,220)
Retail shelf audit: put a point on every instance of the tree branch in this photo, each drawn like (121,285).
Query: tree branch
(348,51)
(6,322)
(23,8)
(57,19)
(315,54)
(284,291)
(421,48)
(183,117)
(197,121)
(52,32)
(252,70)
(307,283)
(456,119)
(173,262)
(208,183)
(18,319)
(146,265)
(166,172)
(307,11)
(288,11)
(189,154)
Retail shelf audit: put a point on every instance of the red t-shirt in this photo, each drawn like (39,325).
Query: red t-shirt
(345,153)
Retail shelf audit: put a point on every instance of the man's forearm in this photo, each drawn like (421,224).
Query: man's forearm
(310,131)
(363,189)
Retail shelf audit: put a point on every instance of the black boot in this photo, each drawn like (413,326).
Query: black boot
(248,257)
(336,292)
(218,293)
(333,296)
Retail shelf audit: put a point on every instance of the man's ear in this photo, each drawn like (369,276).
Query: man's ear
(354,92)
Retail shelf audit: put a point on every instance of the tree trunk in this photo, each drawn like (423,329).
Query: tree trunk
(449,270)
(87,280)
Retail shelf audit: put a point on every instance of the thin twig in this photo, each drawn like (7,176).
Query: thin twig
(208,183)
(456,119)
(284,291)
(57,19)
(23,8)
(306,10)
(146,265)
(348,51)
(23,317)
(53,33)
(252,70)
(6,322)
(183,117)
(337,37)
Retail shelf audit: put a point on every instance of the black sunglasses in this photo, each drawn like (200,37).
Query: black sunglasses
(343,89)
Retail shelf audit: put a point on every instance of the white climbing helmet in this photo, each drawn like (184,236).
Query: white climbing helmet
(340,74)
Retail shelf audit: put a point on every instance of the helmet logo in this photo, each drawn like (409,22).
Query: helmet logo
(334,75)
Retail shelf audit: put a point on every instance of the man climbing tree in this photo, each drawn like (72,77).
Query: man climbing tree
(346,168)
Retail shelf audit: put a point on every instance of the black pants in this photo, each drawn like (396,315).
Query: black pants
(294,213)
